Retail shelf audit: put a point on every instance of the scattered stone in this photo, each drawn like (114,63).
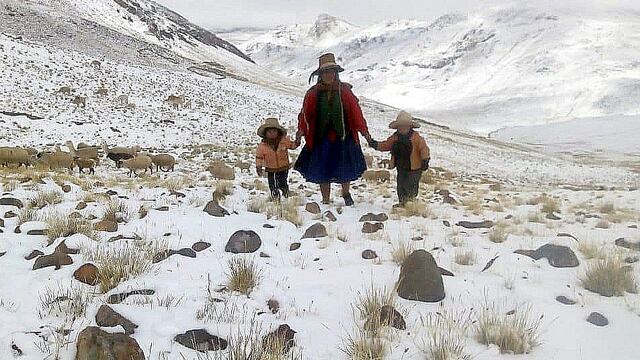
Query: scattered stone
(622,242)
(165,254)
(178,194)
(294,246)
(557,255)
(446,223)
(111,192)
(214,209)
(81,205)
(10,214)
(66,188)
(268,226)
(552,216)
(445,272)
(417,238)
(87,273)
(34,254)
(370,228)
(282,335)
(118,298)
(107,317)
(64,249)
(162,208)
(388,316)
(37,232)
(274,306)
(633,226)
(420,278)
(17,230)
(243,241)
(567,235)
(106,225)
(94,343)
(201,340)
(597,319)
(200,246)
(565,300)
(16,350)
(631,259)
(91,217)
(3,253)
(75,215)
(369,254)
(316,230)
(446,197)
(56,259)
(312,207)
(264,255)
(1,223)
(489,263)
(9,201)
(476,224)
(329,215)
(371,217)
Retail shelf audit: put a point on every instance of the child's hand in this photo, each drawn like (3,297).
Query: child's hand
(298,136)
(372,143)
(259,170)
(425,164)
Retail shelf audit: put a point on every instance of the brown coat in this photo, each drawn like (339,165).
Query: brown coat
(275,160)
(419,149)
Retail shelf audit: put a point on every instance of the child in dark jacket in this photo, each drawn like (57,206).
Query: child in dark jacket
(272,156)
(410,155)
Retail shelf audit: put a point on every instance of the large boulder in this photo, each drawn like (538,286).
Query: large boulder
(201,340)
(96,344)
(214,209)
(87,273)
(486,224)
(107,317)
(313,207)
(9,201)
(316,230)
(243,241)
(106,225)
(420,278)
(371,217)
(57,259)
(558,256)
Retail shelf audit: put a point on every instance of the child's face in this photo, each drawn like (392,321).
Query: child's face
(404,129)
(272,133)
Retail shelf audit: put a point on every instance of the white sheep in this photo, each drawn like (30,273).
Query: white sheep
(15,155)
(164,161)
(120,153)
(88,152)
(138,162)
(57,160)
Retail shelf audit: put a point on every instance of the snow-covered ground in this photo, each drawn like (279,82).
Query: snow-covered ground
(316,285)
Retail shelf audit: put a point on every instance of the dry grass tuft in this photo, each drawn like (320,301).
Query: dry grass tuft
(445,335)
(603,224)
(401,250)
(498,233)
(69,302)
(512,331)
(369,305)
(44,198)
(224,188)
(363,347)
(591,250)
(27,214)
(609,277)
(414,208)
(465,257)
(244,275)
(61,225)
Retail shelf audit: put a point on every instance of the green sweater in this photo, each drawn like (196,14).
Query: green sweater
(330,115)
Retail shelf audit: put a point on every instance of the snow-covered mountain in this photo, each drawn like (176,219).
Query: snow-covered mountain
(484,70)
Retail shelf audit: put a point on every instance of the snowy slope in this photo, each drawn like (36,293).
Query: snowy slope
(484,70)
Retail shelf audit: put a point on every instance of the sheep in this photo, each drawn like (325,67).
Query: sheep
(65,90)
(96,64)
(82,145)
(119,153)
(243,166)
(80,101)
(175,101)
(122,100)
(138,162)
(57,160)
(85,163)
(102,91)
(163,161)
(376,175)
(85,152)
(221,171)
(15,155)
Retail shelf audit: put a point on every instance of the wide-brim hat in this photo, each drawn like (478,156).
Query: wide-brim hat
(270,123)
(404,118)
(326,62)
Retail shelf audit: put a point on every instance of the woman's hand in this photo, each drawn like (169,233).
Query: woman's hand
(298,136)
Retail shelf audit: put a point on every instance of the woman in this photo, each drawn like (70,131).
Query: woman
(330,121)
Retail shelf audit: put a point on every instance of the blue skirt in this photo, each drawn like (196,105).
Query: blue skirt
(332,162)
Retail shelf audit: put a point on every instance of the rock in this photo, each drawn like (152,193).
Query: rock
(37,232)
(445,272)
(214,209)
(446,223)
(264,255)
(420,278)
(96,344)
(489,263)
(17,230)
(118,298)
(107,317)
(476,224)
(10,214)
(75,215)
(106,225)
(564,300)
(316,230)
(631,259)
(294,246)
(81,205)
(369,254)
(66,188)
(111,192)
(201,340)
(446,197)
(622,242)
(56,259)
(274,306)
(567,235)
(557,255)
(388,316)
(312,207)
(2,253)
(1,222)
(243,241)
(64,249)
(371,217)
(9,201)
(370,228)
(552,216)
(165,254)
(87,273)
(282,336)
(200,246)
(597,319)
(162,208)
(178,194)
(268,226)
(34,254)
(329,215)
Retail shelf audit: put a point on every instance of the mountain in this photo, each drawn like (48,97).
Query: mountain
(484,70)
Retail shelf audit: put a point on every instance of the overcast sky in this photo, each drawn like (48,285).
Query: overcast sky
(219,14)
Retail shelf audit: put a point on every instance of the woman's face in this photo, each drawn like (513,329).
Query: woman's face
(272,133)
(328,77)
(404,129)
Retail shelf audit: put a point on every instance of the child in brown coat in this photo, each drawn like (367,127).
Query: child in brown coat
(409,155)
(272,154)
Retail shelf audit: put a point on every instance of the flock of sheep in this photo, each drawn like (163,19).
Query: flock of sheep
(86,158)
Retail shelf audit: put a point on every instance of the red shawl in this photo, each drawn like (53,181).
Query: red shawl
(352,111)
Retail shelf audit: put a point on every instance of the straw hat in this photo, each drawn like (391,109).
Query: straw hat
(270,123)
(404,118)
(325,62)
